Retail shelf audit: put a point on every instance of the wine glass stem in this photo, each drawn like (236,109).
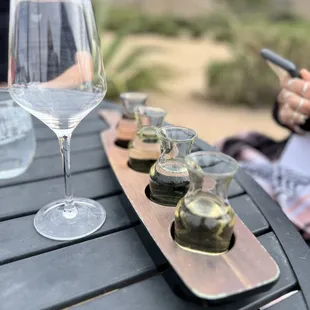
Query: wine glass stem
(70,210)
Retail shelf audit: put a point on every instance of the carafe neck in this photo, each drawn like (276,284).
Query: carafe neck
(175,150)
(209,185)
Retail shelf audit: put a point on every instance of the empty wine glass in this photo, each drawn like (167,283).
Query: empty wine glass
(56,73)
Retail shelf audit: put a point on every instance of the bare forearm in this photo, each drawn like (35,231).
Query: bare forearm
(82,71)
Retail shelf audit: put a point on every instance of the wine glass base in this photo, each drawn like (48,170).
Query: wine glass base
(53,223)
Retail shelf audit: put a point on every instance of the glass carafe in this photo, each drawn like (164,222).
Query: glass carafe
(204,219)
(144,149)
(169,179)
(127,126)
(17,138)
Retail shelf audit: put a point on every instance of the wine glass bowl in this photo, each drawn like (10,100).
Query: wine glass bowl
(56,73)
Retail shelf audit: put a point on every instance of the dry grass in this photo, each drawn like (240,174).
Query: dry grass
(189,58)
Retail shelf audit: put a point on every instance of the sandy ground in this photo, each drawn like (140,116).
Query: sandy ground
(189,58)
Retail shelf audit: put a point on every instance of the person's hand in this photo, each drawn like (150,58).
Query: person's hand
(75,76)
(294,101)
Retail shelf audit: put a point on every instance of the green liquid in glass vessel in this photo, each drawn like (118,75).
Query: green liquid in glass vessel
(204,219)
(169,179)
(144,149)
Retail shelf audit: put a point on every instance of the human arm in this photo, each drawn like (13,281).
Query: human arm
(292,108)
(82,71)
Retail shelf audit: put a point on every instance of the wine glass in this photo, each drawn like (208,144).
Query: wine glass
(56,73)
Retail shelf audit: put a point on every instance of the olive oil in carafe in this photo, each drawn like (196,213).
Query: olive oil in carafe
(122,143)
(144,150)
(169,182)
(204,224)
(126,131)
(141,165)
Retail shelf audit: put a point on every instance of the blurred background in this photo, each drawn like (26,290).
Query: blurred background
(199,59)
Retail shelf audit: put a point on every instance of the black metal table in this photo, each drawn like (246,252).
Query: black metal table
(112,269)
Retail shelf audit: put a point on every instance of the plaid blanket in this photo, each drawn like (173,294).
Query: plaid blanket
(259,155)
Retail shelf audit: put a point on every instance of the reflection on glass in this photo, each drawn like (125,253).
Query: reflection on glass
(169,178)
(56,73)
(144,149)
(17,138)
(204,219)
(127,127)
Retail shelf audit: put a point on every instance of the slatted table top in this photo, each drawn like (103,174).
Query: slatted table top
(112,269)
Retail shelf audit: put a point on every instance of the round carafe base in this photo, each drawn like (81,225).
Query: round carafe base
(53,223)
(204,224)
(198,250)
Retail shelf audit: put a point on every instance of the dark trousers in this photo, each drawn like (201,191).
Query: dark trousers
(4,45)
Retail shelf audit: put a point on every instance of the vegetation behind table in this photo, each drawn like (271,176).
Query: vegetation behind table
(246,79)
(244,26)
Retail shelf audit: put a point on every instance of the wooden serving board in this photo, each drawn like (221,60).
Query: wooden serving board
(246,268)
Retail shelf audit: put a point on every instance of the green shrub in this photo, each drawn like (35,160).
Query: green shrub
(129,19)
(284,16)
(130,73)
(242,82)
(247,79)
(134,21)
(163,25)
(217,23)
(115,19)
(196,28)
(248,7)
(208,24)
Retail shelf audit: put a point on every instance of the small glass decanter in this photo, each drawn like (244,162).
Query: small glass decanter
(169,176)
(127,126)
(144,149)
(204,219)
(17,138)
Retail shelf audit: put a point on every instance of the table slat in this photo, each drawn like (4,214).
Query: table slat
(204,146)
(293,302)
(18,238)
(28,198)
(249,214)
(73,273)
(51,167)
(195,148)
(50,148)
(235,189)
(151,294)
(155,294)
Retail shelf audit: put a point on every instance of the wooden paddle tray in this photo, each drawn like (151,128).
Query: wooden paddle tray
(245,268)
